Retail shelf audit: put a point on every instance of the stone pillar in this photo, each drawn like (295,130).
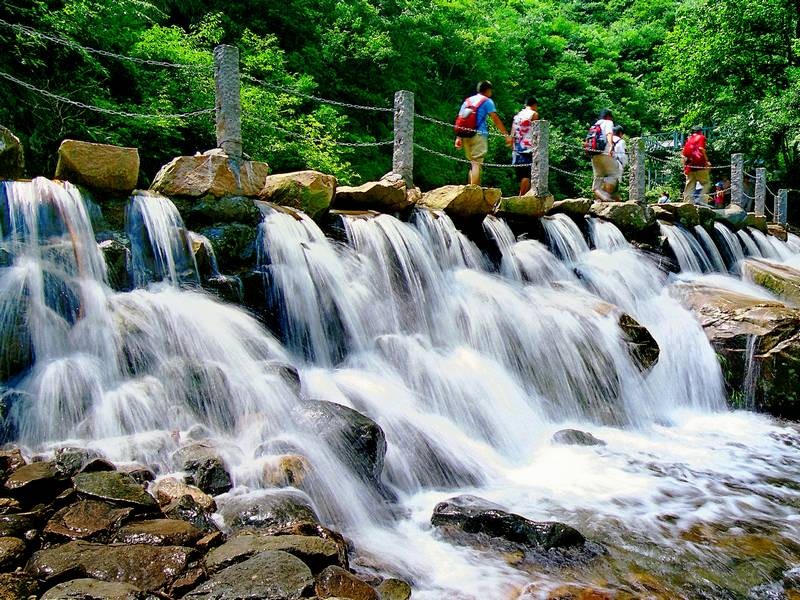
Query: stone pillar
(403,154)
(229,103)
(781,207)
(540,159)
(636,187)
(761,191)
(737,179)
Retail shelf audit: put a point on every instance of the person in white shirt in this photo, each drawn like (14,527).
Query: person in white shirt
(664,198)
(605,172)
(620,154)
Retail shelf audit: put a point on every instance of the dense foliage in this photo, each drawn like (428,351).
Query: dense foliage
(659,64)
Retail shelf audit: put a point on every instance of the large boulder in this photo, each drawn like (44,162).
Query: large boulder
(524,207)
(146,567)
(205,468)
(209,210)
(210,174)
(234,245)
(267,511)
(271,575)
(335,582)
(92,589)
(309,191)
(732,322)
(356,439)
(86,519)
(12,156)
(462,202)
(316,552)
(630,217)
(168,489)
(577,208)
(159,532)
(734,215)
(36,481)
(474,516)
(756,222)
(642,346)
(98,166)
(115,487)
(780,279)
(684,213)
(383,196)
(12,553)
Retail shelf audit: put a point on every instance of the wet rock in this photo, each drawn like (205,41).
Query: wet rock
(12,553)
(9,505)
(730,321)
(382,196)
(791,579)
(523,208)
(168,490)
(777,230)
(356,438)
(642,346)
(186,508)
(37,481)
(17,525)
(205,468)
(69,461)
(474,515)
(211,174)
(780,279)
(146,567)
(12,155)
(10,461)
(462,202)
(159,532)
(315,552)
(98,166)
(684,213)
(756,222)
(630,217)
(287,372)
(114,487)
(267,576)
(209,541)
(734,215)
(267,511)
(394,589)
(86,519)
(14,586)
(577,208)
(227,288)
(139,473)
(336,582)
(574,592)
(92,589)
(210,210)
(234,245)
(190,580)
(575,437)
(117,257)
(286,470)
(309,191)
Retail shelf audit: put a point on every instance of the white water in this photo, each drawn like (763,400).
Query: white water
(750,246)
(688,251)
(468,372)
(731,246)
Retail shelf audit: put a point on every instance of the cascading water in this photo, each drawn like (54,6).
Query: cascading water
(468,372)
(731,246)
(688,251)
(751,248)
(711,249)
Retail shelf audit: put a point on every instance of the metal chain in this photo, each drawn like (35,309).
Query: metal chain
(446,124)
(318,140)
(295,92)
(461,160)
(76,46)
(565,172)
(100,109)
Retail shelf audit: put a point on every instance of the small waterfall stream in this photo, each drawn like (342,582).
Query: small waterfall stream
(468,371)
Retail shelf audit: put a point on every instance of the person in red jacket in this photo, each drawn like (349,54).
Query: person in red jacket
(696,165)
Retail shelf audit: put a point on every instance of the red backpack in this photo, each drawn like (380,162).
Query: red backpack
(693,153)
(466,124)
(595,141)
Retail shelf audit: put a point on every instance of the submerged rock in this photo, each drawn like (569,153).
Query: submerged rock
(267,511)
(575,437)
(309,191)
(12,155)
(462,202)
(98,166)
(92,589)
(780,279)
(382,196)
(335,582)
(473,515)
(271,575)
(642,346)
(315,552)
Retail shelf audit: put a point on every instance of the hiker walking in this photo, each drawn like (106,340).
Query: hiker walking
(620,153)
(696,166)
(599,145)
(522,134)
(472,128)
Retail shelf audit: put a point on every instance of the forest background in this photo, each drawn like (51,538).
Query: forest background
(660,65)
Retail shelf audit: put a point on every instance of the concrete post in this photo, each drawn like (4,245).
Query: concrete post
(737,179)
(781,207)
(636,187)
(403,154)
(540,159)
(229,103)
(761,191)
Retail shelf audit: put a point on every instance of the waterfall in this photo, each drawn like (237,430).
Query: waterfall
(731,246)
(161,247)
(766,249)
(564,237)
(749,244)
(793,242)
(448,243)
(606,236)
(501,233)
(711,249)
(690,254)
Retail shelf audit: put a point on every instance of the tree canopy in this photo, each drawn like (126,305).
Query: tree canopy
(731,65)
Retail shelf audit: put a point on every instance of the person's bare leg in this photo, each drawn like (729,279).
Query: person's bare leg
(475,173)
(524,186)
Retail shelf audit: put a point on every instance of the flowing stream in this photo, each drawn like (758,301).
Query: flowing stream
(468,369)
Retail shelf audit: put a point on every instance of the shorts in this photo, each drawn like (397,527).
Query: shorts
(605,171)
(522,164)
(476,147)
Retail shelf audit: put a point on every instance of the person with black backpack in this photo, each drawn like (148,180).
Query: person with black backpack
(472,128)
(599,145)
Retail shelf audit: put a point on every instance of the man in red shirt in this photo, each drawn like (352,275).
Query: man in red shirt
(695,165)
